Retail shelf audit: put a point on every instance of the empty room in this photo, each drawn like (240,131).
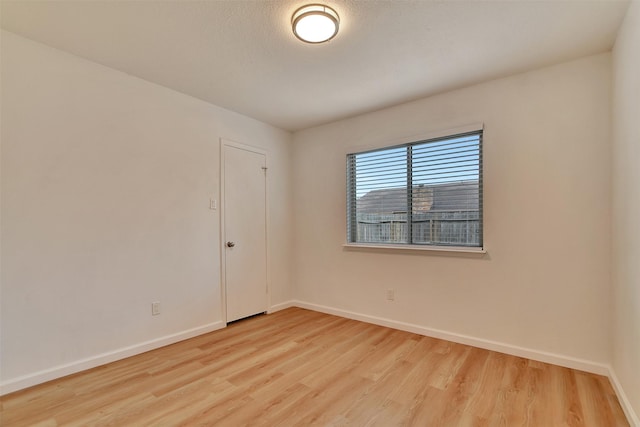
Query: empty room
(347,212)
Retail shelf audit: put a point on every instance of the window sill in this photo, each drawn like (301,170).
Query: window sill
(455,249)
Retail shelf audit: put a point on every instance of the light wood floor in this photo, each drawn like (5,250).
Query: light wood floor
(299,367)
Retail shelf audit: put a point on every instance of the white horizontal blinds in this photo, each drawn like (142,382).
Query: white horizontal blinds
(426,193)
(447,191)
(380,203)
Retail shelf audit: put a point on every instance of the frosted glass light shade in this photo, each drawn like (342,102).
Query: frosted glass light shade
(315,23)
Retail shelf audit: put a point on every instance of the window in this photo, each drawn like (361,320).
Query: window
(425,193)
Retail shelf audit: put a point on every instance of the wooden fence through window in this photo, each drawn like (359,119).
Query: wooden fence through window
(457,228)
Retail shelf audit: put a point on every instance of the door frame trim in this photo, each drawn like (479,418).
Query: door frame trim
(224,142)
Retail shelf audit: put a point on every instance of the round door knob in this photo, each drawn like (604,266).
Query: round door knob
(230,244)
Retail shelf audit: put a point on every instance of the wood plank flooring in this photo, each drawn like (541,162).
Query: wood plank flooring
(298,367)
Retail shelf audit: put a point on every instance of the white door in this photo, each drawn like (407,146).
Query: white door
(245,236)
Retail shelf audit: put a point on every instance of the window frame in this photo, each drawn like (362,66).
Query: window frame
(351,213)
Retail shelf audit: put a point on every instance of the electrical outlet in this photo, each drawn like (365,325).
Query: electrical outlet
(391,294)
(155,308)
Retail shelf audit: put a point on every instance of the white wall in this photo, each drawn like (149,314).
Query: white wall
(106,181)
(626,207)
(545,282)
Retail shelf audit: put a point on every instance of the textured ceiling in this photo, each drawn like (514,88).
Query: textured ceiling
(242,55)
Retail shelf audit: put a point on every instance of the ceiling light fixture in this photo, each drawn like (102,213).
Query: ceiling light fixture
(315,23)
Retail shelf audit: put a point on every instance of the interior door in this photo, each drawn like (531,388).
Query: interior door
(245,236)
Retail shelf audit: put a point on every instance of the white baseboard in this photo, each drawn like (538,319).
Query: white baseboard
(40,377)
(632,417)
(281,306)
(541,356)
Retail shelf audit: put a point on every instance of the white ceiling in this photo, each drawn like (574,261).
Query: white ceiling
(242,55)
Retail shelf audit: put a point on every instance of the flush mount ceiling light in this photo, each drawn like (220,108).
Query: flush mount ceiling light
(315,23)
